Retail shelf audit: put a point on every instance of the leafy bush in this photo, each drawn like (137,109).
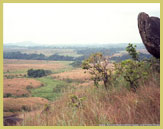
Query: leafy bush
(132,71)
(38,73)
(76,102)
(131,49)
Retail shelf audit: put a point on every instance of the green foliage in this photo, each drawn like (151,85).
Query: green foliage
(47,91)
(19,55)
(76,102)
(132,71)
(123,57)
(131,49)
(38,73)
(76,64)
(97,65)
(9,76)
(58,88)
(46,108)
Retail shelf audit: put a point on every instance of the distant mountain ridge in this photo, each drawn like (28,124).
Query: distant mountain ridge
(90,45)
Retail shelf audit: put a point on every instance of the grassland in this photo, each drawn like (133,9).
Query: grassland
(69,97)
(91,106)
(77,74)
(20,67)
(48,90)
(18,87)
(14,106)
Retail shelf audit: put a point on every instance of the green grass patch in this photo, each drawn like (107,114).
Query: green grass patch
(16,72)
(47,91)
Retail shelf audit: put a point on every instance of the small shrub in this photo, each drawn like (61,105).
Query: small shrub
(25,108)
(24,95)
(69,80)
(58,88)
(132,71)
(76,102)
(29,87)
(38,73)
(7,95)
(10,76)
(11,110)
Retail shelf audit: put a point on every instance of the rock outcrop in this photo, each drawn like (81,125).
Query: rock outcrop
(12,120)
(149,29)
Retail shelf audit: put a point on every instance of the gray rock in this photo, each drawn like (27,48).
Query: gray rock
(149,29)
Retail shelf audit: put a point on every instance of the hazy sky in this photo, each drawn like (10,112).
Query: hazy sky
(70,23)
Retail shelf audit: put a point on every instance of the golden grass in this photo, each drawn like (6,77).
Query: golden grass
(17,86)
(77,74)
(103,107)
(17,105)
(14,65)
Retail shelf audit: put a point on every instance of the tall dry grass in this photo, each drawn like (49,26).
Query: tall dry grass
(77,74)
(119,106)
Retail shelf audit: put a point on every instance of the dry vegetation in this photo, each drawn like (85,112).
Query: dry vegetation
(18,86)
(119,106)
(17,105)
(11,65)
(78,74)
(90,105)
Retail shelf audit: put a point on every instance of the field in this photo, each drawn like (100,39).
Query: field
(18,87)
(14,106)
(77,74)
(69,96)
(21,66)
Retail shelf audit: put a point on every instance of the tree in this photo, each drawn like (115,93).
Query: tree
(131,49)
(38,73)
(98,67)
(133,69)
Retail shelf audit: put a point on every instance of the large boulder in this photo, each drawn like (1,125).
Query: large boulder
(149,29)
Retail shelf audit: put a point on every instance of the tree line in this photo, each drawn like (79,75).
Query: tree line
(19,55)
(85,54)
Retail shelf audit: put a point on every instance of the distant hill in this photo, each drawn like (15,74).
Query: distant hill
(89,45)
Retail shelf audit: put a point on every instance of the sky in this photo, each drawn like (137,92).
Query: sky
(74,23)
